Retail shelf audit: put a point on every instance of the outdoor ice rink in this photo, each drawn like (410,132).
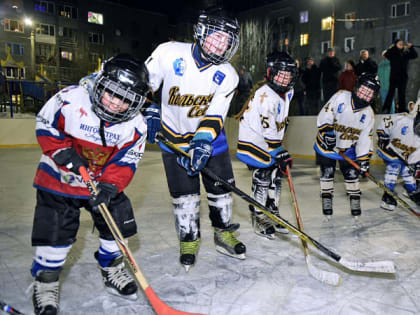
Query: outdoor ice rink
(272,280)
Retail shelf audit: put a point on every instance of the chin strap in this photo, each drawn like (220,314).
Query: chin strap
(102,132)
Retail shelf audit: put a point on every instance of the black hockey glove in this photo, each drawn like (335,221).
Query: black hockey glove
(200,151)
(414,170)
(383,142)
(283,159)
(326,141)
(364,167)
(106,192)
(70,159)
(152,115)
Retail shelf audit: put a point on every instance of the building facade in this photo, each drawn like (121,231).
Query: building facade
(65,40)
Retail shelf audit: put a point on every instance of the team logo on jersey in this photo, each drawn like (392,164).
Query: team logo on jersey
(340,108)
(92,133)
(404,130)
(219,77)
(362,120)
(68,178)
(407,150)
(347,133)
(199,103)
(179,66)
(82,112)
(96,157)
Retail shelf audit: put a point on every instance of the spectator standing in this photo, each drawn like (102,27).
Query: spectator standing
(311,79)
(299,89)
(366,64)
(348,78)
(329,66)
(384,71)
(398,55)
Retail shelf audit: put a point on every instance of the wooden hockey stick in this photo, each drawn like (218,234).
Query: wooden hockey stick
(324,276)
(158,305)
(8,309)
(373,266)
(380,185)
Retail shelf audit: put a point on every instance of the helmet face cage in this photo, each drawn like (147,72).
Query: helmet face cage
(366,91)
(282,74)
(116,82)
(217,38)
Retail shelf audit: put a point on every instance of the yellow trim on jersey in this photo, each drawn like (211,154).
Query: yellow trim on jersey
(255,157)
(207,129)
(213,118)
(175,134)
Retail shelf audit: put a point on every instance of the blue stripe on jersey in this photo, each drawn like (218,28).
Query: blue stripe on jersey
(49,170)
(45,133)
(247,159)
(388,158)
(350,152)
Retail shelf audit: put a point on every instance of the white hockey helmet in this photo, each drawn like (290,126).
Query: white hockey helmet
(217,36)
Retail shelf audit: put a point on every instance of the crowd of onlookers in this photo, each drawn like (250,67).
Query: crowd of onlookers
(317,83)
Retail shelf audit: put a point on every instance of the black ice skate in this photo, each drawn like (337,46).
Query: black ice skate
(46,292)
(226,242)
(117,280)
(275,210)
(388,202)
(262,225)
(188,252)
(355,205)
(327,208)
(415,196)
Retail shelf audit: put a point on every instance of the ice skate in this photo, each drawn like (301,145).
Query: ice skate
(355,206)
(262,225)
(188,252)
(388,202)
(275,210)
(226,243)
(327,208)
(46,292)
(117,280)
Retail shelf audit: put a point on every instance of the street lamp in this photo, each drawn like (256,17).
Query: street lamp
(331,20)
(29,23)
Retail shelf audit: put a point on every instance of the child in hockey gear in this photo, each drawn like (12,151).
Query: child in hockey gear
(262,127)
(96,125)
(345,124)
(198,85)
(399,147)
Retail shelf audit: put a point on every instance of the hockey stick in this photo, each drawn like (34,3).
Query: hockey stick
(327,277)
(374,266)
(382,186)
(158,305)
(8,309)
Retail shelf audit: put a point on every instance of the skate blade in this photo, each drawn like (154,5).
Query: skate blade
(223,251)
(387,208)
(131,297)
(282,230)
(187,267)
(327,218)
(267,236)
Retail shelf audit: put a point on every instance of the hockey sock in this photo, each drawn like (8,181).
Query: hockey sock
(108,251)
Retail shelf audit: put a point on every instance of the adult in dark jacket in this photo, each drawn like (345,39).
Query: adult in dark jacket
(366,64)
(398,55)
(329,66)
(311,78)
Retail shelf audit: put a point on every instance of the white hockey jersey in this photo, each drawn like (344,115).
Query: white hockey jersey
(262,127)
(67,120)
(353,127)
(195,95)
(399,129)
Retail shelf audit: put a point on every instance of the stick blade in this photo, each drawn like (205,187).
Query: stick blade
(384,266)
(160,307)
(327,277)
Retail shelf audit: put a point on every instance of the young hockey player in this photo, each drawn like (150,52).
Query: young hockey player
(399,147)
(97,126)
(198,85)
(345,124)
(261,132)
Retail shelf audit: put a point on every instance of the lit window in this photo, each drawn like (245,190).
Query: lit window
(400,9)
(348,44)
(326,23)
(67,55)
(96,18)
(304,39)
(303,17)
(44,6)
(45,29)
(13,26)
(67,11)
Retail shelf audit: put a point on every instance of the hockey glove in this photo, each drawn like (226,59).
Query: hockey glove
(414,170)
(106,192)
(283,159)
(383,142)
(326,141)
(200,152)
(70,159)
(152,116)
(364,167)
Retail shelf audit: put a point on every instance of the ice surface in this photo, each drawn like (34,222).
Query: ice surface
(272,280)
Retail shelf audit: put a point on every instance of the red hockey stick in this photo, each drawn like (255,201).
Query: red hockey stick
(158,305)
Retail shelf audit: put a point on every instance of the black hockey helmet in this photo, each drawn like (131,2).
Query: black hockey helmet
(416,125)
(217,36)
(281,61)
(125,78)
(367,89)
